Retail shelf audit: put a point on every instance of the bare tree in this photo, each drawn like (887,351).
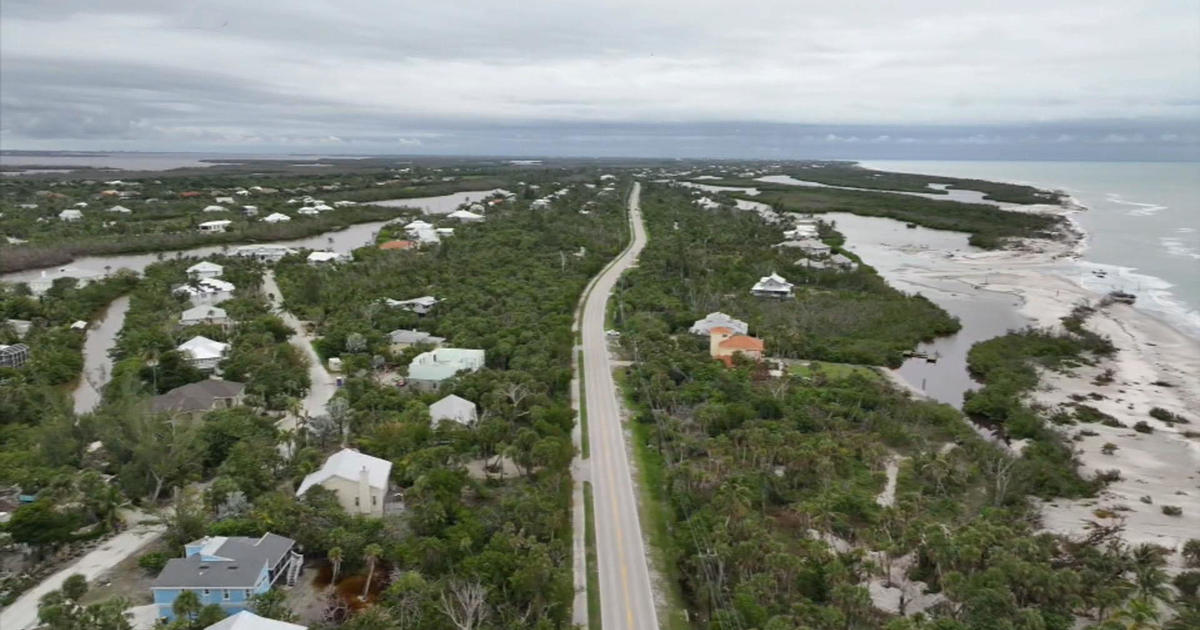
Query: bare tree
(1000,469)
(464,604)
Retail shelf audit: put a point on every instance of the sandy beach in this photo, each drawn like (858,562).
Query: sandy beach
(1155,366)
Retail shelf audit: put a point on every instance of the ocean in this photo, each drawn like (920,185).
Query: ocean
(1142,223)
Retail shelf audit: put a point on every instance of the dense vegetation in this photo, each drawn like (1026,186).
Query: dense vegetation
(772,484)
(855,176)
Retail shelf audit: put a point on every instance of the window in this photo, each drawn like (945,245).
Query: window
(356,502)
(206,592)
(373,500)
(247,594)
(225,594)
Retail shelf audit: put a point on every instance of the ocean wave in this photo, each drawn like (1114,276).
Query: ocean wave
(1154,294)
(1185,230)
(1176,247)
(1140,209)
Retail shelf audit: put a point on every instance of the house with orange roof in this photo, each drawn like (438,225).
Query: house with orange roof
(724,344)
(398,245)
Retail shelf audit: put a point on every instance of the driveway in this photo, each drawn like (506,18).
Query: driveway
(324,385)
(22,614)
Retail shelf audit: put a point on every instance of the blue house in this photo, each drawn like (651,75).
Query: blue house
(227,571)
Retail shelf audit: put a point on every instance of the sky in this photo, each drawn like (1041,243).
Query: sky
(1019,79)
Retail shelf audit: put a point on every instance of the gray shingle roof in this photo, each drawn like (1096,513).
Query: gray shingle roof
(247,557)
(196,396)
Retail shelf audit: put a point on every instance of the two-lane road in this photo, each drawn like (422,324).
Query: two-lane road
(626,598)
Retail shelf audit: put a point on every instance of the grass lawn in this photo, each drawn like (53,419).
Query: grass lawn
(593,565)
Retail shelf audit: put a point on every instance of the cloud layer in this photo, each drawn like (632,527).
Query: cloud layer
(408,76)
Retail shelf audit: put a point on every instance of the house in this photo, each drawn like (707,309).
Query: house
(320,258)
(843,262)
(276,217)
(444,231)
(215,208)
(205,314)
(773,285)
(70,215)
(420,306)
(343,204)
(724,344)
(249,211)
(429,369)
(81,204)
(540,204)
(120,209)
(13,356)
(402,339)
(308,212)
(320,207)
(265,253)
(801,232)
(228,200)
(426,236)
(206,291)
(227,571)
(712,320)
(199,397)
(454,409)
(205,269)
(79,324)
(247,620)
(215,226)
(400,245)
(808,246)
(359,481)
(465,216)
(707,203)
(203,353)
(19,326)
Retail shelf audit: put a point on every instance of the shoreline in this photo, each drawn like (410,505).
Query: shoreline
(1163,466)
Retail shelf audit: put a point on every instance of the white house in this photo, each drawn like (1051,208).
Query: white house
(414,226)
(718,319)
(420,306)
(445,232)
(70,215)
(215,226)
(454,409)
(773,285)
(307,211)
(246,620)
(465,216)
(81,204)
(276,217)
(426,236)
(810,247)
(215,208)
(205,269)
(320,258)
(120,209)
(265,253)
(228,200)
(250,211)
(203,353)
(322,207)
(205,314)
(359,481)
(207,291)
(343,204)
(843,262)
(428,369)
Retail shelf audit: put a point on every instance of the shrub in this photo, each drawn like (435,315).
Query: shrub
(1143,427)
(1172,510)
(1109,448)
(153,562)
(1108,476)
(1158,413)
(1191,553)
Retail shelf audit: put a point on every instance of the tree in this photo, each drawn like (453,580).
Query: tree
(371,555)
(1191,553)
(186,605)
(41,523)
(272,605)
(335,558)
(74,587)
(464,604)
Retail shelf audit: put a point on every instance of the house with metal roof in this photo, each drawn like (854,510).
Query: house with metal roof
(420,306)
(199,397)
(227,571)
(773,285)
(403,338)
(205,269)
(712,320)
(215,226)
(13,356)
(205,314)
(429,369)
(360,481)
(454,409)
(203,353)
(247,620)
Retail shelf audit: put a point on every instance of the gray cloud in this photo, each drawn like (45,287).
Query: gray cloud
(453,76)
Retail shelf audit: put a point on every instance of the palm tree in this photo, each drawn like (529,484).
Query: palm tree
(186,605)
(335,558)
(371,555)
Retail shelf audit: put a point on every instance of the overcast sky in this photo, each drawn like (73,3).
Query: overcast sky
(794,78)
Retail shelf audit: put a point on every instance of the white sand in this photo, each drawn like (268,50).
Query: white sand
(1164,465)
